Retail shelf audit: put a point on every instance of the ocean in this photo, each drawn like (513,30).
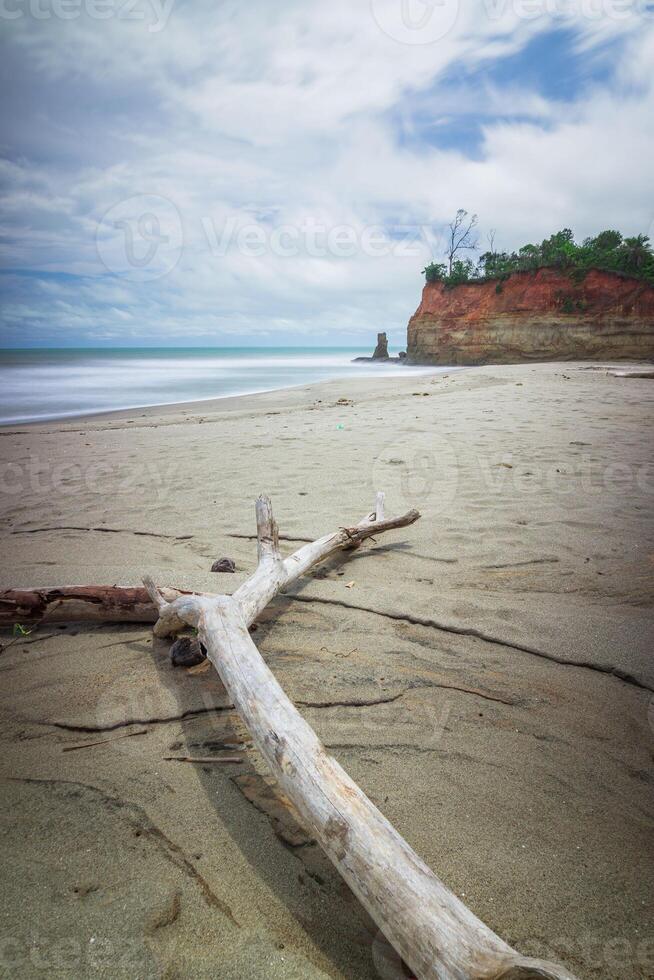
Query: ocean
(51,384)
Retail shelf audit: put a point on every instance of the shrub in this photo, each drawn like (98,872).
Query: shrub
(609,251)
(435,272)
(463,271)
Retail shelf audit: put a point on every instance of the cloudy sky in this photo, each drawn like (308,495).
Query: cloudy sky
(187,172)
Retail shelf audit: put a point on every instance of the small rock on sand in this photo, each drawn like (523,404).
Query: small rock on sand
(224,565)
(187,651)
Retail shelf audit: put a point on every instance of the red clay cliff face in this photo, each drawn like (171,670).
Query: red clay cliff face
(534,316)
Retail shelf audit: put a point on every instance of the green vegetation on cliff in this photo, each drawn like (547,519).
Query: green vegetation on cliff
(608,251)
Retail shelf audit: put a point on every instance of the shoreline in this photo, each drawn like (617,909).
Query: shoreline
(347,369)
(229,402)
(241,400)
(485,676)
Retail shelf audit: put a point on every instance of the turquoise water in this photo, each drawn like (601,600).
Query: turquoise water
(50,384)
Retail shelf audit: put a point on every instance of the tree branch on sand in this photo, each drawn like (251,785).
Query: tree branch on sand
(434,932)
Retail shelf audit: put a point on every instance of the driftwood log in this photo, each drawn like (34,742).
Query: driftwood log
(80,604)
(434,932)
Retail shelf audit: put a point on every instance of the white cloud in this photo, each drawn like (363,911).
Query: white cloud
(284,120)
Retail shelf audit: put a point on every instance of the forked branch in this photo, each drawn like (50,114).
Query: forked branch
(434,932)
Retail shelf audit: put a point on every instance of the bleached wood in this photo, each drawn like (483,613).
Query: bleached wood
(434,932)
(121,604)
(155,595)
(275,574)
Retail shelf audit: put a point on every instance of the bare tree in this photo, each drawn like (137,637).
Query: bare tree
(461,235)
(491,236)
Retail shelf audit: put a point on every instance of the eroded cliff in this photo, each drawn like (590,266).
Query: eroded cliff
(534,316)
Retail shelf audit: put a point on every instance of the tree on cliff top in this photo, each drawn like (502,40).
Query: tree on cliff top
(461,236)
(608,251)
(606,241)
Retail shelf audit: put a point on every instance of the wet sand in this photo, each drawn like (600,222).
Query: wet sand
(487,679)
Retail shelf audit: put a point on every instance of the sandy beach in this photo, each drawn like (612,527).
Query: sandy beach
(485,675)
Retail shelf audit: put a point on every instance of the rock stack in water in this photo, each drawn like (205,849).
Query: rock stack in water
(381,350)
